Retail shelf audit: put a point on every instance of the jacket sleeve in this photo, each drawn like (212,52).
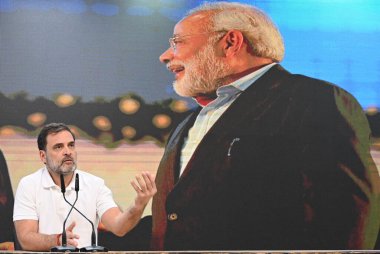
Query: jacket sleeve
(341,181)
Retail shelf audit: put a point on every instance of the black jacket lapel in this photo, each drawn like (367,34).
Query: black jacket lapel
(251,104)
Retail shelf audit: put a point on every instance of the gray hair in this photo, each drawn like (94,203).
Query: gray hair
(261,33)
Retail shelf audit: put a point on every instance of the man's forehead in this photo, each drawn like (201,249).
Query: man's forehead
(59,137)
(191,24)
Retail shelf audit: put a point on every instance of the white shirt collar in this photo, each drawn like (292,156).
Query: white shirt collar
(245,81)
(47,180)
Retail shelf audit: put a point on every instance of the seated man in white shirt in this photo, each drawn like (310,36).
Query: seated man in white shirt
(40,209)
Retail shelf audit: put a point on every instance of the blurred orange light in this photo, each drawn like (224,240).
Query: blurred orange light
(161,121)
(36,119)
(129,106)
(102,123)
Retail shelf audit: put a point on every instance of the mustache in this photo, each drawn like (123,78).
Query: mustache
(175,62)
(68,158)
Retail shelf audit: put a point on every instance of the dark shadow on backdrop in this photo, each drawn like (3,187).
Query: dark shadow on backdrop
(138,239)
(7,232)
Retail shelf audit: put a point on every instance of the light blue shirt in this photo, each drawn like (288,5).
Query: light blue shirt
(209,114)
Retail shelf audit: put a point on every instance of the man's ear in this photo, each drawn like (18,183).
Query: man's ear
(43,156)
(233,41)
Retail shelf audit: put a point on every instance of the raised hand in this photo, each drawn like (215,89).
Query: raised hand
(145,188)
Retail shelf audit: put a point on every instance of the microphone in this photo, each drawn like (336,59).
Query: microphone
(93,247)
(64,247)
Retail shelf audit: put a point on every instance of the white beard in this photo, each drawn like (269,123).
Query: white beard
(59,167)
(204,73)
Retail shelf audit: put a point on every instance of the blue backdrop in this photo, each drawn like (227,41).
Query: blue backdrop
(104,48)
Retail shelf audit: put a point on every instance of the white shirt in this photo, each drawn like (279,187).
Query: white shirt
(209,114)
(38,198)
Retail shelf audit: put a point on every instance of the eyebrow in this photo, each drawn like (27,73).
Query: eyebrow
(69,143)
(57,144)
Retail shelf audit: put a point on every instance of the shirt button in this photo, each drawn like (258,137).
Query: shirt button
(172,217)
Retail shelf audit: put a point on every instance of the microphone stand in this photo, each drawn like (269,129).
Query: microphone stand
(93,247)
(64,247)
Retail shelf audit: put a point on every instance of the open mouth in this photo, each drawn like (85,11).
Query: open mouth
(176,69)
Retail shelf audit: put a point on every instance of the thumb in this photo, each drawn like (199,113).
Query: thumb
(71,227)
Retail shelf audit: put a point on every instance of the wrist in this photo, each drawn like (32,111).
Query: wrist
(138,206)
(58,239)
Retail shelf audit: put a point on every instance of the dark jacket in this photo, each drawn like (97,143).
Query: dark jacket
(287,166)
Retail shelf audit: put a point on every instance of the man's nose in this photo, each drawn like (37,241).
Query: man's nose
(166,56)
(66,150)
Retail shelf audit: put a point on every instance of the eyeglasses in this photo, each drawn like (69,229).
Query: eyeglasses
(176,39)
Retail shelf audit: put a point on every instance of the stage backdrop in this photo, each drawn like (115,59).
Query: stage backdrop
(94,65)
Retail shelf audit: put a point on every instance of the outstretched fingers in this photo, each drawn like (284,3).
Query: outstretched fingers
(145,187)
(71,236)
(71,227)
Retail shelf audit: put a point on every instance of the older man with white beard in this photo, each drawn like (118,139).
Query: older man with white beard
(270,160)
(40,210)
